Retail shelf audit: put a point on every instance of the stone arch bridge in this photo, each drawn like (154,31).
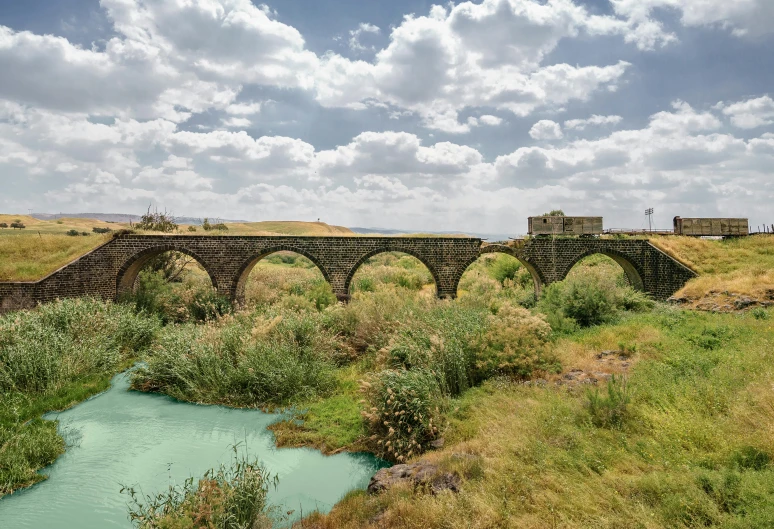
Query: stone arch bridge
(111,269)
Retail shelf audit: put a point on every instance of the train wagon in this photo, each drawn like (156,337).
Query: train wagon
(710,227)
(547,225)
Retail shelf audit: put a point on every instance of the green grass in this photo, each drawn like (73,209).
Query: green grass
(694,448)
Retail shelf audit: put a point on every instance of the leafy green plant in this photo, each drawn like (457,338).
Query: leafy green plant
(404,413)
(613,409)
(515,345)
(759,313)
(231,497)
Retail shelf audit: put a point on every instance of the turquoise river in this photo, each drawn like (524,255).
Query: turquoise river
(148,441)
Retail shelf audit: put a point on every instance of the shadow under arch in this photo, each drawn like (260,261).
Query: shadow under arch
(238,289)
(537,277)
(632,271)
(373,253)
(127,274)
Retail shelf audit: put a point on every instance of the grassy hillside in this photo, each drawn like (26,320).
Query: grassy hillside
(42,247)
(727,269)
(288,227)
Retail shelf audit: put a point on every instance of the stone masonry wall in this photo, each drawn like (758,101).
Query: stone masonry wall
(111,268)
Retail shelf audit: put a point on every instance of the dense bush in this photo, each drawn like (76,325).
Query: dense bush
(265,358)
(442,339)
(515,345)
(231,497)
(191,299)
(588,299)
(405,412)
(42,349)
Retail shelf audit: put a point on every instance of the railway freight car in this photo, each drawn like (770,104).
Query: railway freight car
(708,227)
(547,225)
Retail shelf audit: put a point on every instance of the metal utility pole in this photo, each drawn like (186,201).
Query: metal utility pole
(649,214)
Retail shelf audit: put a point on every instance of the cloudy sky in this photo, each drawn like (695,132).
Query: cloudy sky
(402,113)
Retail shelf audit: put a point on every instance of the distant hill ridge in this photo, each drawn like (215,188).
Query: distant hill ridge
(123,217)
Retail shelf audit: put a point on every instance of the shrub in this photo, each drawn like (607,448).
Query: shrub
(586,300)
(611,410)
(220,227)
(759,313)
(58,342)
(72,233)
(441,338)
(233,497)
(192,299)
(206,226)
(405,412)
(101,230)
(192,228)
(18,225)
(515,345)
(157,221)
(504,267)
(3,225)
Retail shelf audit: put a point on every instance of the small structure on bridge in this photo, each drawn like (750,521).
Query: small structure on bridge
(557,225)
(711,227)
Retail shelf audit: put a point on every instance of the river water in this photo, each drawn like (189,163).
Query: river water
(148,441)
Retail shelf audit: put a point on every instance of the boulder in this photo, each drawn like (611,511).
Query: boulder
(420,475)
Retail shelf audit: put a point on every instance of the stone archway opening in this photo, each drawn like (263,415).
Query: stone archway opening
(497,273)
(176,267)
(284,276)
(391,269)
(173,283)
(607,267)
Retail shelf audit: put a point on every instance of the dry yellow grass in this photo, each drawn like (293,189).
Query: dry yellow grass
(272,227)
(742,266)
(32,256)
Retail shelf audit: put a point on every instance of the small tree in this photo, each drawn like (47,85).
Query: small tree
(3,225)
(206,226)
(157,221)
(554,213)
(18,225)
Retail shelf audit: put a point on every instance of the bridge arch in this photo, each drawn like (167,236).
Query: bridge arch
(128,272)
(538,280)
(238,288)
(632,270)
(365,257)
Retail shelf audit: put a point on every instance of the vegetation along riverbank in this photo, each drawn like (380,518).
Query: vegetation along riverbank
(590,407)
